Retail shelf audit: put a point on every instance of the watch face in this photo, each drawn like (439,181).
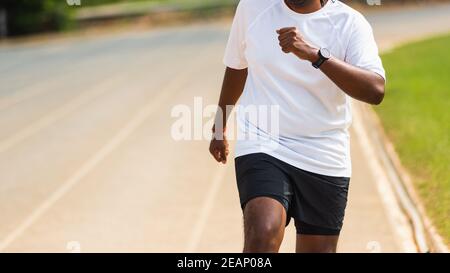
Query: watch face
(325,53)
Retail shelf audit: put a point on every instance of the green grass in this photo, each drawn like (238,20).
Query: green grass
(122,8)
(416,116)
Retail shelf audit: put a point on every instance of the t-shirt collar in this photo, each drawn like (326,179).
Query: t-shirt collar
(306,15)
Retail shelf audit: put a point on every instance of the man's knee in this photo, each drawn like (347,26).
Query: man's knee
(316,244)
(264,225)
(262,229)
(320,248)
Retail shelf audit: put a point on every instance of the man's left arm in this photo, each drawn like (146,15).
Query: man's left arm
(360,84)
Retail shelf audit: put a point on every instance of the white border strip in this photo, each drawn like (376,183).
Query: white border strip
(398,220)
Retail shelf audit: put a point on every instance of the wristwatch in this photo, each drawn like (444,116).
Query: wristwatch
(324,55)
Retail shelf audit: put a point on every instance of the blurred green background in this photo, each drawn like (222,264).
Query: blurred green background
(19,17)
(24,16)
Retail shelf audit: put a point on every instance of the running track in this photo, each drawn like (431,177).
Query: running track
(87,161)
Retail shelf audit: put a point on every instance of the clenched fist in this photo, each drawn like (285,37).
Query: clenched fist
(219,148)
(291,41)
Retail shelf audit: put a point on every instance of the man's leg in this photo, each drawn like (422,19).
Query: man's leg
(264,224)
(316,243)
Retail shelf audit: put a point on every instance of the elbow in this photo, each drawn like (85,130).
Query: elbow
(378,92)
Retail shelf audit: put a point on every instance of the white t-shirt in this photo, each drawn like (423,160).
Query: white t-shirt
(314,114)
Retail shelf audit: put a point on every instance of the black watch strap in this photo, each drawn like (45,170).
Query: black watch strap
(320,61)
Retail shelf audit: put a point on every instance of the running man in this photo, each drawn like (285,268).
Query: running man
(309,57)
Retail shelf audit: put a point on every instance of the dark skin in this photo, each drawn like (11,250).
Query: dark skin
(264,217)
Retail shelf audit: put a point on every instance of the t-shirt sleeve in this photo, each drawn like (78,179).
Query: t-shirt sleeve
(362,50)
(235,49)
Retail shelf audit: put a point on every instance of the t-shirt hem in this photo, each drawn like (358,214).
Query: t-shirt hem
(345,172)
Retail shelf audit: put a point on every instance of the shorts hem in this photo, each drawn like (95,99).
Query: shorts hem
(304,228)
(277,198)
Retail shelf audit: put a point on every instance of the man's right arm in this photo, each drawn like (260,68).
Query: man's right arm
(232,88)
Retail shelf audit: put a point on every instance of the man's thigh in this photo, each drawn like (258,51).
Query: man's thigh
(266,212)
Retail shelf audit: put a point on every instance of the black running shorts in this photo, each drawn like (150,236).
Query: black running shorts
(315,202)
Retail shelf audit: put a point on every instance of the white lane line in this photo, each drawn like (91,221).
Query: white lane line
(58,114)
(18,97)
(32,91)
(398,221)
(205,210)
(23,94)
(93,161)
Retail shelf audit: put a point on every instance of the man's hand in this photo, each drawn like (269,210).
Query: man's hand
(232,88)
(291,41)
(219,148)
